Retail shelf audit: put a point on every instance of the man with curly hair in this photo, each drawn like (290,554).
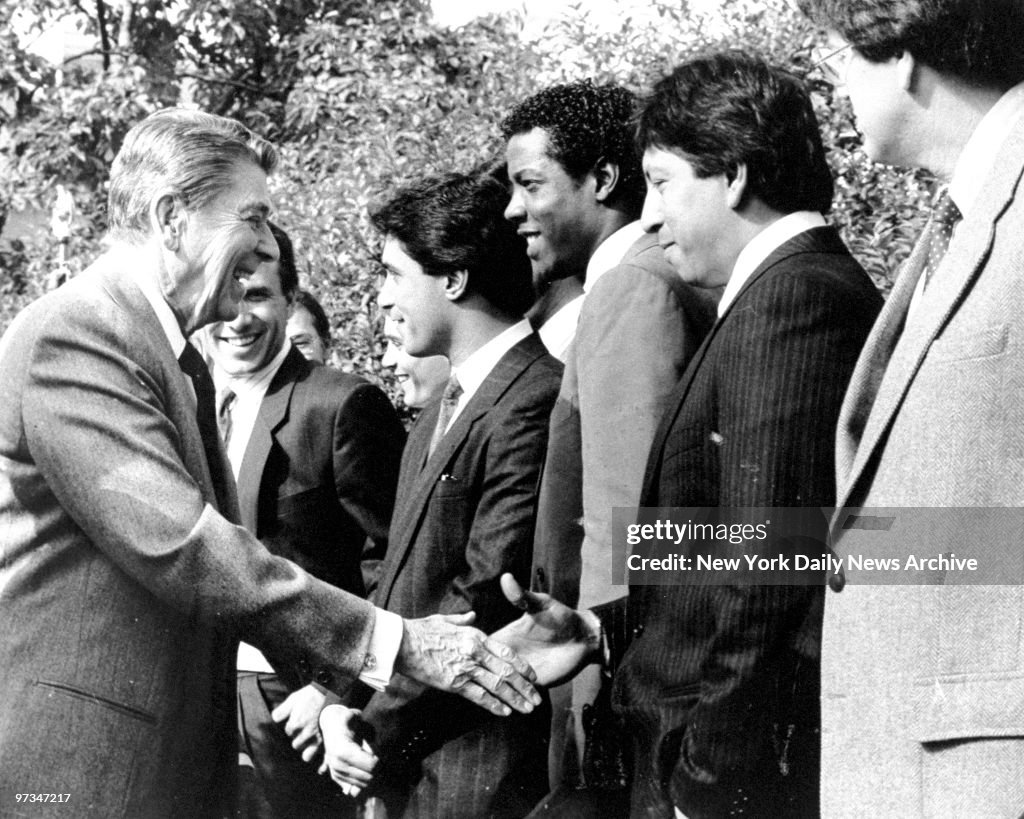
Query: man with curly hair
(923,685)
(577,191)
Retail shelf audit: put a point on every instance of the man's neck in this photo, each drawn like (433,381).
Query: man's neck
(473,332)
(558,294)
(954,110)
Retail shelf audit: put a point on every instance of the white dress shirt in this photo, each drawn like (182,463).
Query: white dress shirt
(610,252)
(558,331)
(762,246)
(472,372)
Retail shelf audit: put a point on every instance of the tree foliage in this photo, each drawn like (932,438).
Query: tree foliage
(360,95)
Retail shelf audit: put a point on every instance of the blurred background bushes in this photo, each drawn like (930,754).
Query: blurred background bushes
(359,95)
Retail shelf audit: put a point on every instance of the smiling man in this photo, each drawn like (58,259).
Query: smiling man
(421,378)
(315,453)
(458,285)
(577,190)
(716,683)
(125,583)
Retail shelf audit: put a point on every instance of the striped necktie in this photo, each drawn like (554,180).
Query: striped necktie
(449,401)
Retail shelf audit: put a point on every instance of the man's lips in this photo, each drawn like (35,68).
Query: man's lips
(241,341)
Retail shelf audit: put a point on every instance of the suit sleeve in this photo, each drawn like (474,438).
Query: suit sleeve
(633,343)
(781,381)
(98,423)
(368,442)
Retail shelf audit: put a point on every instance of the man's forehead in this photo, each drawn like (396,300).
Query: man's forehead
(529,147)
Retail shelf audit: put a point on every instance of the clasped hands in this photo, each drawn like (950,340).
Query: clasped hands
(549,644)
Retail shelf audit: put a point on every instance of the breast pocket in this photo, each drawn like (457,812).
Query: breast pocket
(978,344)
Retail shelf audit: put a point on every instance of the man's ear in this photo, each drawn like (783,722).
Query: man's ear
(167,216)
(606,178)
(737,187)
(456,284)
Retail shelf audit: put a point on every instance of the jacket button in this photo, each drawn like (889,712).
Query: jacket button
(837,582)
(304,667)
(323,676)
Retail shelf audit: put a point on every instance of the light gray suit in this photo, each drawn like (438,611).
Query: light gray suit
(923,685)
(123,591)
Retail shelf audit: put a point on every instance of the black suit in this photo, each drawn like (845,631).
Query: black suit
(317,486)
(463,517)
(713,676)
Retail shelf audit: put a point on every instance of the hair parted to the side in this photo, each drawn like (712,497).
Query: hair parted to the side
(191,153)
(585,124)
(308,302)
(287,272)
(730,108)
(455,222)
(978,41)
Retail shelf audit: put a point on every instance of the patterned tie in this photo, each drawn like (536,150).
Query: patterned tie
(225,404)
(945,215)
(192,364)
(449,401)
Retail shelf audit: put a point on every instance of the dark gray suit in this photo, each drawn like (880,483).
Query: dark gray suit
(463,518)
(317,486)
(711,677)
(123,591)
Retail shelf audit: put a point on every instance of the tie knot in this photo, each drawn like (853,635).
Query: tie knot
(225,397)
(452,390)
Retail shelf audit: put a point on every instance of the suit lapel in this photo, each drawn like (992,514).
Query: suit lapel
(417,485)
(955,276)
(181,403)
(272,413)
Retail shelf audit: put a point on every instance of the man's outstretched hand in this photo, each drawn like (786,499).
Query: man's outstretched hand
(555,640)
(444,652)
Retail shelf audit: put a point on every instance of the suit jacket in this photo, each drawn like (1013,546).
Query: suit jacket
(638,328)
(318,478)
(123,591)
(934,422)
(712,676)
(463,517)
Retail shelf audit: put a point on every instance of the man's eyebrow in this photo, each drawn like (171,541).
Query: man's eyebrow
(261,208)
(259,292)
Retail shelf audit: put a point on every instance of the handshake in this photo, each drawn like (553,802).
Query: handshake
(546,646)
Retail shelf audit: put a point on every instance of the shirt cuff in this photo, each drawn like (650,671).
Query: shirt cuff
(386,639)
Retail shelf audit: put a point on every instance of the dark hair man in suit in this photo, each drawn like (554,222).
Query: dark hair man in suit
(718,687)
(315,453)
(308,328)
(577,190)
(457,284)
(126,582)
(923,685)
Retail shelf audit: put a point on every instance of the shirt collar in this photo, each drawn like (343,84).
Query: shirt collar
(610,252)
(761,247)
(168,321)
(472,372)
(243,385)
(979,154)
(558,331)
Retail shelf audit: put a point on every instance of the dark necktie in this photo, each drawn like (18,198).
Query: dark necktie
(225,404)
(192,364)
(945,215)
(449,401)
